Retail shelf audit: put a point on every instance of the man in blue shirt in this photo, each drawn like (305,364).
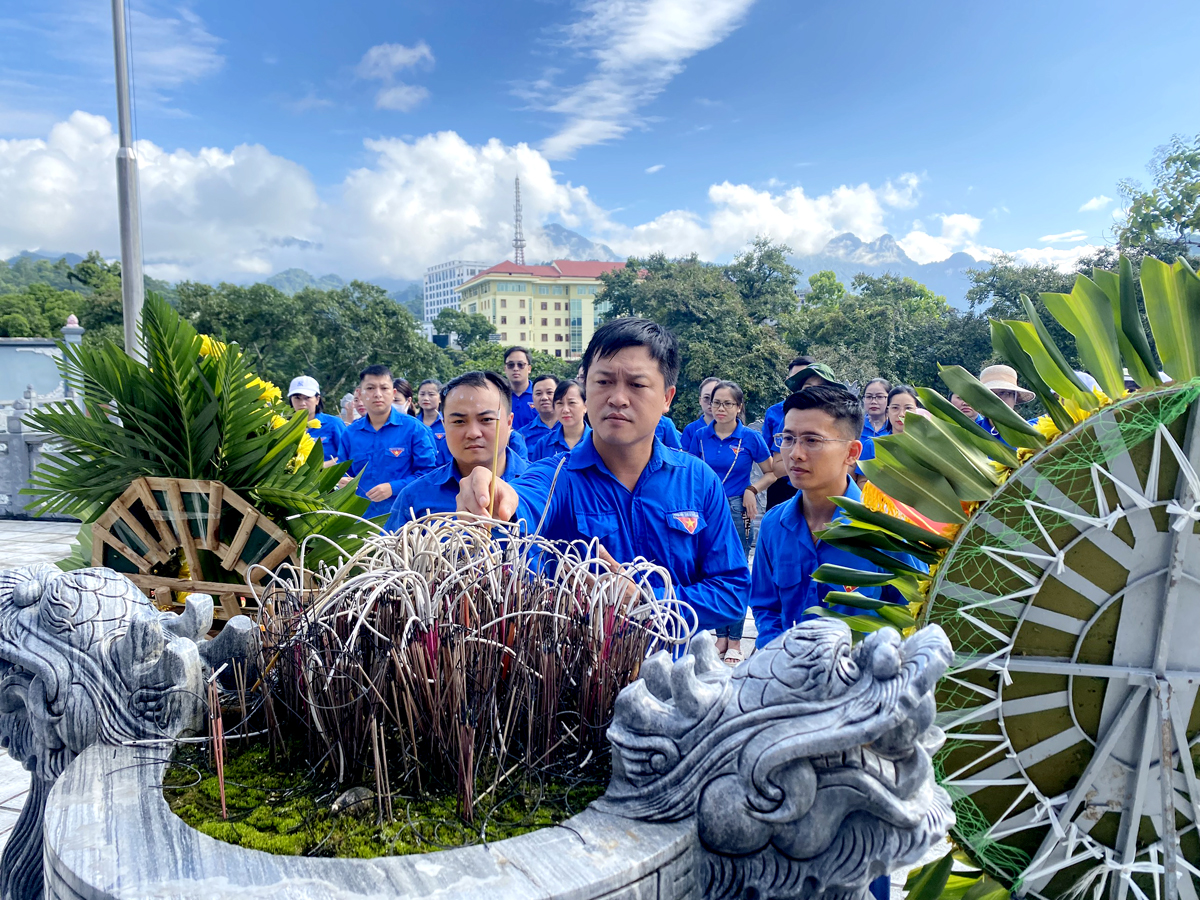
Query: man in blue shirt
(386,448)
(517,368)
(476,408)
(706,416)
(821,433)
(623,487)
(668,433)
(305,393)
(543,403)
(782,490)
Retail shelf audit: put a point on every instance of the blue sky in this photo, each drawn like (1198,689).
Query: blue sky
(374,138)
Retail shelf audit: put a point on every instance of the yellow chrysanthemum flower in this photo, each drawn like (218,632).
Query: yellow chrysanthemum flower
(314,423)
(278,421)
(210,346)
(1046,428)
(270,392)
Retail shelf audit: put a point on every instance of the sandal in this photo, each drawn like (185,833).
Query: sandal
(733,657)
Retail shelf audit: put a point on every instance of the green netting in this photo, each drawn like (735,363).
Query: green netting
(969,575)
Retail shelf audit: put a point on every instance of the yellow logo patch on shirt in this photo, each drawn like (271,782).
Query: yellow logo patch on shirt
(395,451)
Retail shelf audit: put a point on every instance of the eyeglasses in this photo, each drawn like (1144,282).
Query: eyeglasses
(899,409)
(785,441)
(874,396)
(723,404)
(516,365)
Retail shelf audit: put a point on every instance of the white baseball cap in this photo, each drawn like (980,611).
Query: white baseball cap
(304,384)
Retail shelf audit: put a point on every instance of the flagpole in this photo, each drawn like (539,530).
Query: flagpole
(132,285)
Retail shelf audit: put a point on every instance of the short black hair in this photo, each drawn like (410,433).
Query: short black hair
(835,400)
(564,386)
(887,385)
(801,361)
(631,331)
(904,389)
(432,381)
(734,389)
(517,349)
(543,377)
(709,380)
(479,380)
(375,371)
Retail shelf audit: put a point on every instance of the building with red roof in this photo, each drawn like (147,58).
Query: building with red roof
(552,308)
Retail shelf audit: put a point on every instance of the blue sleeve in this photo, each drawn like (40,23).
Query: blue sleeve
(759,451)
(399,514)
(518,445)
(693,444)
(719,597)
(765,603)
(868,450)
(668,433)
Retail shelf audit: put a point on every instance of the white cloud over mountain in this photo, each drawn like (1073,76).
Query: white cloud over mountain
(242,213)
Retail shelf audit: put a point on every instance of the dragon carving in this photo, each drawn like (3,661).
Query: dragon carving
(86,658)
(807,768)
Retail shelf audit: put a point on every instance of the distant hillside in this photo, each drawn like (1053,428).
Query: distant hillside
(292,281)
(846,255)
(567,244)
(71,258)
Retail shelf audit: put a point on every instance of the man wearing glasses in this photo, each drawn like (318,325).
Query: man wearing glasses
(518,369)
(820,443)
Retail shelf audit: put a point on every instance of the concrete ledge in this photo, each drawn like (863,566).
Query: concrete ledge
(110,834)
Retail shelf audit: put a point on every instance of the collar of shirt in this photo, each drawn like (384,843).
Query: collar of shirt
(710,431)
(585,454)
(869,429)
(793,519)
(362,423)
(514,466)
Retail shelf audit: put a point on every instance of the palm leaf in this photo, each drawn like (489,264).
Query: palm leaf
(899,527)
(861,624)
(1131,337)
(1060,365)
(967,430)
(1172,297)
(925,490)
(1087,313)
(1011,426)
(1005,343)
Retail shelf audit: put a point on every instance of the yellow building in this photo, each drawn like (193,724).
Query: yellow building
(550,308)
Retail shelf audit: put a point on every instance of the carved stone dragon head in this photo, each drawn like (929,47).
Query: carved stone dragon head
(807,767)
(86,658)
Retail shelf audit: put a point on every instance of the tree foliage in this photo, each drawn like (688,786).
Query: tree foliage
(1164,221)
(469,327)
(37,310)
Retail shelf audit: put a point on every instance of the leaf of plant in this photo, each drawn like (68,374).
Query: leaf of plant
(881,559)
(986,888)
(1005,343)
(1008,422)
(1131,336)
(928,492)
(899,527)
(927,882)
(828,573)
(896,615)
(1027,336)
(869,536)
(968,431)
(1087,313)
(861,624)
(970,473)
(1087,399)
(1172,297)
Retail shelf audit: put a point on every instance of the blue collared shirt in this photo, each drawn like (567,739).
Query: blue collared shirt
(676,516)
(870,431)
(772,425)
(685,438)
(437,491)
(784,562)
(533,432)
(731,458)
(554,443)
(403,449)
(666,432)
(523,409)
(330,434)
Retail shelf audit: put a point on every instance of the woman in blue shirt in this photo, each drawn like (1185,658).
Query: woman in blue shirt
(570,428)
(730,449)
(429,404)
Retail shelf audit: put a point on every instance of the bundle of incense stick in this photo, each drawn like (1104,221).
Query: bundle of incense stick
(461,652)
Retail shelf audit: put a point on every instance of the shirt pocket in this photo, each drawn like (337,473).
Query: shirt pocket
(595,525)
(686,521)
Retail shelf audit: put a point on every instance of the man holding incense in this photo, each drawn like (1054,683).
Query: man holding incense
(477,415)
(620,484)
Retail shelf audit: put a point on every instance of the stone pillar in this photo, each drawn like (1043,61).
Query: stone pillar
(73,331)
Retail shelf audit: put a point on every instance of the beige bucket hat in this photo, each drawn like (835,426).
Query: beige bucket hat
(1004,378)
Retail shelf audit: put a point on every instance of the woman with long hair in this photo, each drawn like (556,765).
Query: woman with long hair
(731,449)
(571,427)
(402,399)
(429,410)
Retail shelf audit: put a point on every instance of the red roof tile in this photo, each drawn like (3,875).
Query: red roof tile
(560,268)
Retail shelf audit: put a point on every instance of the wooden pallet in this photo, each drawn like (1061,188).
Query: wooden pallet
(157,516)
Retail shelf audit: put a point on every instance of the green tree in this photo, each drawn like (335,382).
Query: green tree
(1164,221)
(469,327)
(825,290)
(765,280)
(37,311)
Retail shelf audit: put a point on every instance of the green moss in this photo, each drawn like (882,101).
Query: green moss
(278,806)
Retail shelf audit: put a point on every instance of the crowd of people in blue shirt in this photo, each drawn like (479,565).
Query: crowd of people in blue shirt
(597,458)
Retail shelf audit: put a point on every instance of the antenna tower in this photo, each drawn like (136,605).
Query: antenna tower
(518,234)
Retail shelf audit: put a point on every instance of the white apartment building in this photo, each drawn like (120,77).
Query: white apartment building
(442,279)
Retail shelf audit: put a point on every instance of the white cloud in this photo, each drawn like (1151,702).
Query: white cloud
(171,49)
(401,97)
(652,169)
(1096,203)
(211,214)
(383,61)
(639,46)
(958,235)
(1066,237)
(1064,260)
(309,101)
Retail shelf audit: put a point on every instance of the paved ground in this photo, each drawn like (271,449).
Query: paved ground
(22,543)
